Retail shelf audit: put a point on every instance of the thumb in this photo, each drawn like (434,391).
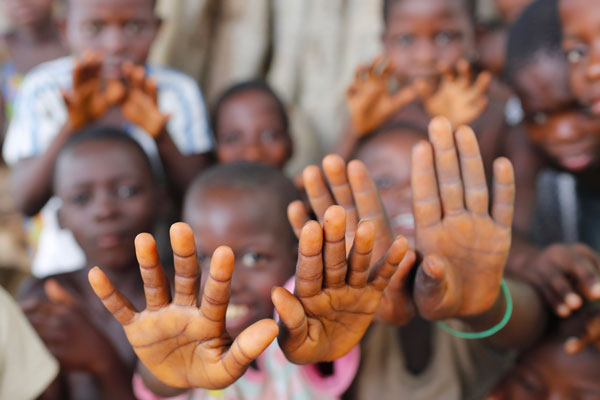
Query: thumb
(292,316)
(57,294)
(437,289)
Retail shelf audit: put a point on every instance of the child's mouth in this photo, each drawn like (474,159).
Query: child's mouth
(236,316)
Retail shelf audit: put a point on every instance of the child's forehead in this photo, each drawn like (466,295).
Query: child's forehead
(112,8)
(446,9)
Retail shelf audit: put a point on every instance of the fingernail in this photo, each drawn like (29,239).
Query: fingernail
(563,311)
(596,291)
(573,301)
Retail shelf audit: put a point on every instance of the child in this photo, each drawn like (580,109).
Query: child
(548,371)
(419,360)
(243,205)
(105,183)
(429,46)
(163,108)
(251,124)
(34,39)
(567,137)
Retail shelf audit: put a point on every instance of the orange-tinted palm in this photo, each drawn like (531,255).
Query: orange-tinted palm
(370,100)
(182,344)
(465,247)
(141,104)
(352,187)
(457,97)
(336,296)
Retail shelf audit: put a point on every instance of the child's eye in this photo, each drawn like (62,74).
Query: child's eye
(269,136)
(575,55)
(127,191)
(80,199)
(404,40)
(445,37)
(250,260)
(133,28)
(93,28)
(232,137)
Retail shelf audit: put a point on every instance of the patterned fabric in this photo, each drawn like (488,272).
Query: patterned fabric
(10,82)
(276,379)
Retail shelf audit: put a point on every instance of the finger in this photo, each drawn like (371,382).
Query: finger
(215,297)
(427,208)
(375,66)
(594,260)
(292,315)
(118,305)
(156,287)
(248,346)
(316,189)
(586,279)
(464,72)
(335,171)
(473,174)
(362,72)
(388,266)
(309,271)
(423,88)
(436,291)
(446,166)
(57,294)
(127,69)
(482,83)
(574,345)
(298,216)
(115,91)
(187,270)
(151,90)
(360,255)
(446,72)
(504,192)
(137,77)
(563,290)
(403,97)
(334,247)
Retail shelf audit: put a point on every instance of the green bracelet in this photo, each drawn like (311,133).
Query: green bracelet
(488,332)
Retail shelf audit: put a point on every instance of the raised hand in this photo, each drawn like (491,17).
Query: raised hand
(182,344)
(565,274)
(465,247)
(351,187)
(458,98)
(574,345)
(335,297)
(89,100)
(141,104)
(369,98)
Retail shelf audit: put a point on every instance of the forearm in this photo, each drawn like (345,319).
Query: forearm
(32,177)
(180,169)
(527,322)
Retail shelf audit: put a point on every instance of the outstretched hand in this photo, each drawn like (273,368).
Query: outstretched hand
(88,100)
(182,344)
(369,98)
(465,247)
(458,97)
(336,296)
(141,104)
(351,187)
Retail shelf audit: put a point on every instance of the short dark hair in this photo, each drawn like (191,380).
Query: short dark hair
(469,5)
(537,30)
(258,85)
(251,177)
(101,133)
(388,130)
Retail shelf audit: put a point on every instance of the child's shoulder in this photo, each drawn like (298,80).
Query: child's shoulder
(50,73)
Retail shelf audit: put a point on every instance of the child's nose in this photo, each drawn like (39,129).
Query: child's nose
(253,152)
(565,130)
(105,207)
(114,42)
(424,53)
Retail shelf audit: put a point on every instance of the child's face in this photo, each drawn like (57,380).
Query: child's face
(121,29)
(28,12)
(250,129)
(108,197)
(570,136)
(549,373)
(265,251)
(581,42)
(421,34)
(387,157)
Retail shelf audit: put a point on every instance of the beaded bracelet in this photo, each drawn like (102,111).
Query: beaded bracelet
(488,332)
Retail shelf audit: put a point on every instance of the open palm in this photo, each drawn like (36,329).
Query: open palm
(182,344)
(464,246)
(335,297)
